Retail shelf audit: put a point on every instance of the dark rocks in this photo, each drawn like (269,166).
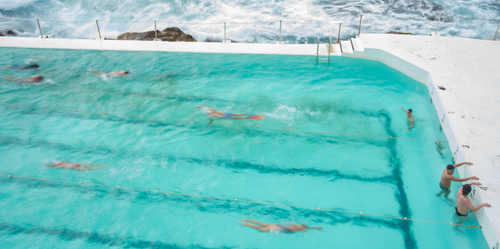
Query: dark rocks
(171,34)
(8,32)
(398,33)
(443,19)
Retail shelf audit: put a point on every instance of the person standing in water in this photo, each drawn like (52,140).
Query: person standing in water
(464,204)
(411,119)
(447,177)
(275,228)
(212,113)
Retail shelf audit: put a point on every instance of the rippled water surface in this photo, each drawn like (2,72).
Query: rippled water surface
(252,21)
(355,173)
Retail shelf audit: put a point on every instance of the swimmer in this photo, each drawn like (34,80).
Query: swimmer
(409,115)
(212,113)
(275,228)
(447,177)
(112,74)
(463,203)
(74,166)
(21,67)
(30,80)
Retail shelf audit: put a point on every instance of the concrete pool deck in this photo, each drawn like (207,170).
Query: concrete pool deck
(468,108)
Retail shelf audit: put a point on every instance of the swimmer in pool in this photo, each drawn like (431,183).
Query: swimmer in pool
(411,119)
(447,177)
(463,203)
(21,67)
(30,80)
(212,113)
(112,74)
(74,166)
(275,228)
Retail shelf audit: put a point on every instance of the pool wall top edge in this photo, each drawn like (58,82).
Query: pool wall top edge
(190,47)
(465,67)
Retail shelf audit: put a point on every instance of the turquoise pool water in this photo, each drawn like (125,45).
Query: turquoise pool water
(374,175)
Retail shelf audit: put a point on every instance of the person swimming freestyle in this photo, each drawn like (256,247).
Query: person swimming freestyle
(30,80)
(73,166)
(31,66)
(111,74)
(212,113)
(288,227)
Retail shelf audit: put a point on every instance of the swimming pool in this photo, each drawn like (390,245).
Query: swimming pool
(344,172)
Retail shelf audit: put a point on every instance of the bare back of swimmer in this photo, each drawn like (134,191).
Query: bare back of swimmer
(112,74)
(212,113)
(276,228)
(73,166)
(30,80)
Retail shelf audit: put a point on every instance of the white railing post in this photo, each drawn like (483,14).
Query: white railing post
(280,32)
(439,19)
(156,33)
(495,38)
(338,38)
(359,29)
(317,51)
(40,29)
(98,30)
(329,49)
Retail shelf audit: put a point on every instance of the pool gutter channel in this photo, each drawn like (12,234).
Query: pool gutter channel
(466,68)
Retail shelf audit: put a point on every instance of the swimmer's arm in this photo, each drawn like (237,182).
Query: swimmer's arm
(42,59)
(412,123)
(456,179)
(474,209)
(403,109)
(460,164)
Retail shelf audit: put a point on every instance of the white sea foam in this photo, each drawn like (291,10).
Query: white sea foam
(251,21)
(14,4)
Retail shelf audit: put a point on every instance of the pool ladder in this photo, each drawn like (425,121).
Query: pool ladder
(348,46)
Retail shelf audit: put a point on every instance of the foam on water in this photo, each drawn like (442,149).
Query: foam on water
(251,21)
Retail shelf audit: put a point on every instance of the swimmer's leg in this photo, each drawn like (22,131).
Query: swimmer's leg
(211,121)
(5,67)
(254,221)
(446,194)
(260,228)
(10,78)
(97,71)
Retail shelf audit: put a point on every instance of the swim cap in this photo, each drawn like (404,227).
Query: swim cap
(466,189)
(450,167)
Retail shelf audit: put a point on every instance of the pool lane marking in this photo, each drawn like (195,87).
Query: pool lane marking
(245,125)
(248,201)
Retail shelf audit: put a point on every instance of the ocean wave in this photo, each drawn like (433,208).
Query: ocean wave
(247,21)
